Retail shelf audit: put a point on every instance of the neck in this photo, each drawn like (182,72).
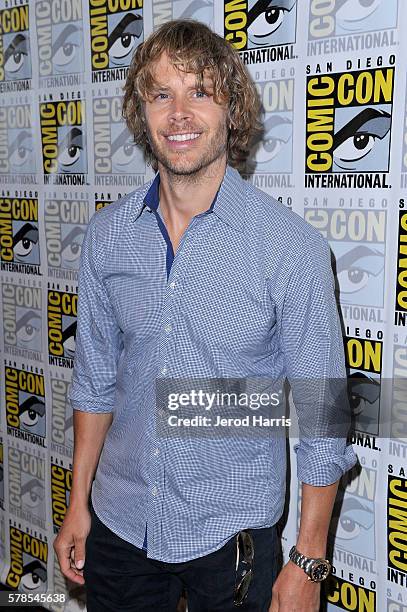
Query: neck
(184,196)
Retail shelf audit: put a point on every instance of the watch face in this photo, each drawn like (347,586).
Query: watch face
(319,571)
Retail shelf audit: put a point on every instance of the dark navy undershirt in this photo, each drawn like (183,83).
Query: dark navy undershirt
(152,199)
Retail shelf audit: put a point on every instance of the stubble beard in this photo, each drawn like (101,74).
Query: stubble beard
(182,169)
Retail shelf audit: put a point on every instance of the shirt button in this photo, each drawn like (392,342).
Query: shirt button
(154,491)
(168,328)
(157,452)
(164,370)
(172,285)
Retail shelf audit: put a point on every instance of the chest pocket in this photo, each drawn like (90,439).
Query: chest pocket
(227,308)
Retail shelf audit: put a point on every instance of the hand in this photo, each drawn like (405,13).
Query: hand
(69,545)
(293,592)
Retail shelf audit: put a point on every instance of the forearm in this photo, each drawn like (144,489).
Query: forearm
(316,512)
(90,431)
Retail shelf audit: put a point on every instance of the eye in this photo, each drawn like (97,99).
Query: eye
(23,247)
(15,61)
(124,154)
(29,330)
(267,22)
(70,155)
(33,497)
(355,269)
(356,10)
(31,581)
(29,418)
(65,54)
(72,251)
(269,149)
(355,147)
(123,46)
(20,156)
(69,344)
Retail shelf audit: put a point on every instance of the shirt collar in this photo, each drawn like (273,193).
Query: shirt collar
(229,203)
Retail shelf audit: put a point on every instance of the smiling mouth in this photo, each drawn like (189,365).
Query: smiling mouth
(183,137)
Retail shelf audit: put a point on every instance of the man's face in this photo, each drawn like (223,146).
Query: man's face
(186,129)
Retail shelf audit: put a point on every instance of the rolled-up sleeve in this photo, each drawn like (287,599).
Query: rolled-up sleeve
(313,348)
(98,337)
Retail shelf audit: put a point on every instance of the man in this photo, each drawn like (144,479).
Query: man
(196,275)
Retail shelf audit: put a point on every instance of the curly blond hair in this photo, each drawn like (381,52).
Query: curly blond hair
(193,47)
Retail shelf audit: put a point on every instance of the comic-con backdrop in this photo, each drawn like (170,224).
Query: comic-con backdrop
(332,79)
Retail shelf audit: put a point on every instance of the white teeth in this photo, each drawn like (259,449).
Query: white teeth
(181,137)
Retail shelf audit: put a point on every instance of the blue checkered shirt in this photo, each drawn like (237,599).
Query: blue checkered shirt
(249,293)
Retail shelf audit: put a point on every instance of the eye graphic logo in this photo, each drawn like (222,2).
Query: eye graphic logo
(26,485)
(364,359)
(62,312)
(15,56)
(63,137)
(115,151)
(60,36)
(272,149)
(116,29)
(28,562)
(345,17)
(17,154)
(353,523)
(260,23)
(348,121)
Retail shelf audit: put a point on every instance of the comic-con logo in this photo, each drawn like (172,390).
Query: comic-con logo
(336,20)
(22,319)
(61,483)
(59,37)
(364,360)
(19,235)
(398,416)
(343,595)
(348,128)
(272,150)
(25,405)
(357,239)
(116,29)
(63,138)
(62,311)
(255,26)
(397,526)
(28,562)
(114,150)
(17,153)
(15,56)
(401,278)
(26,485)
(65,226)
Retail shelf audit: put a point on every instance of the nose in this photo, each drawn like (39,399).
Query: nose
(180,109)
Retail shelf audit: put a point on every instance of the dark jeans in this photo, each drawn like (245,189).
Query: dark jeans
(120,577)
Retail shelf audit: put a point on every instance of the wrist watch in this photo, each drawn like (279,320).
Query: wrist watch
(316,569)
